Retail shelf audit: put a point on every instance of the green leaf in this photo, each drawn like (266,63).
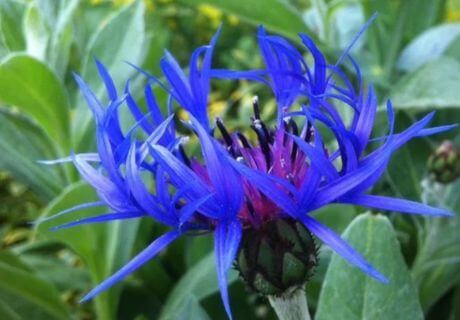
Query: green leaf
(428,46)
(190,307)
(36,33)
(199,282)
(59,16)
(395,24)
(103,247)
(7,313)
(21,145)
(11,13)
(348,293)
(124,34)
(275,15)
(337,217)
(433,86)
(436,266)
(27,286)
(29,85)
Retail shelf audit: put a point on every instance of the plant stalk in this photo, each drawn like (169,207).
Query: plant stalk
(291,305)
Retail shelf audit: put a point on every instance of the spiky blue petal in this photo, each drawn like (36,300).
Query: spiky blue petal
(145,255)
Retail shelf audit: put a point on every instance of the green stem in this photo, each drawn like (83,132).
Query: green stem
(291,305)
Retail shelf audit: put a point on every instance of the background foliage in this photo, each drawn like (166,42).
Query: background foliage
(411,53)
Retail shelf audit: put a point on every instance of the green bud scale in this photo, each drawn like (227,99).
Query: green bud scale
(444,163)
(277,257)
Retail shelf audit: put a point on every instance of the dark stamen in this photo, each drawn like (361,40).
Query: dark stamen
(295,131)
(309,132)
(263,142)
(254,217)
(184,156)
(293,127)
(244,140)
(225,135)
(255,105)
(268,134)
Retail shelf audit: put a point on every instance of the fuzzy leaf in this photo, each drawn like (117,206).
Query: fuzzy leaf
(348,293)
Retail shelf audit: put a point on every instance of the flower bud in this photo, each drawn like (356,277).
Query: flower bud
(277,257)
(444,163)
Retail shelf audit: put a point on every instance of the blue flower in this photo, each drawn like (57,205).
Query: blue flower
(286,173)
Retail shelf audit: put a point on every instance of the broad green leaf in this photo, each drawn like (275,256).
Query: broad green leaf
(348,293)
(35,33)
(124,34)
(275,15)
(7,313)
(191,308)
(200,281)
(433,86)
(428,14)
(436,266)
(455,313)
(337,217)
(11,14)
(22,143)
(49,9)
(28,286)
(428,46)
(103,247)
(397,22)
(29,85)
(57,272)
(59,17)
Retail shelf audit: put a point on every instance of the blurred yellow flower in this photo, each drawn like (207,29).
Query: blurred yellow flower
(233,20)
(453,11)
(212,13)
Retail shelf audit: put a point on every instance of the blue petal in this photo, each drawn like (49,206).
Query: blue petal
(178,81)
(365,121)
(107,158)
(264,182)
(350,181)
(108,82)
(91,99)
(224,179)
(317,158)
(226,243)
(308,188)
(189,209)
(181,176)
(255,75)
(155,136)
(70,210)
(394,204)
(401,138)
(320,82)
(140,193)
(148,253)
(100,218)
(136,112)
(355,38)
(331,239)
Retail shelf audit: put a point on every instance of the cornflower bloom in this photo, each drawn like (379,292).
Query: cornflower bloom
(244,190)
